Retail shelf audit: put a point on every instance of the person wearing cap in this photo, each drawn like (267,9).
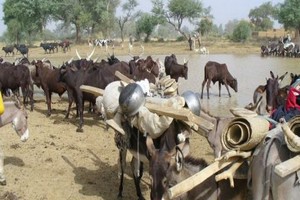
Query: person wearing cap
(291,107)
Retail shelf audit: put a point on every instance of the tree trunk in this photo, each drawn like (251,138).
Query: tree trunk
(78,37)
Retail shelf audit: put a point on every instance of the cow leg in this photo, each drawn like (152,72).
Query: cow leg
(207,87)
(203,84)
(2,177)
(80,110)
(220,89)
(137,171)
(227,88)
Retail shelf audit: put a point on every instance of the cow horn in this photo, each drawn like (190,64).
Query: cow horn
(43,59)
(89,57)
(292,139)
(78,55)
(69,62)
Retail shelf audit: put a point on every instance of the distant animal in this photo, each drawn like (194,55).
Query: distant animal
(216,72)
(48,47)
(17,116)
(186,166)
(23,49)
(65,45)
(174,69)
(8,50)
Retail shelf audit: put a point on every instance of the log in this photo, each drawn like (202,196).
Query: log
(124,78)
(199,177)
(93,90)
(287,167)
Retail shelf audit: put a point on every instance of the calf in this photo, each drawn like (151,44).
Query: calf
(174,69)
(49,81)
(214,72)
(8,50)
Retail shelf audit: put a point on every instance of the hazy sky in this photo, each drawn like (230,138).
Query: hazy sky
(222,10)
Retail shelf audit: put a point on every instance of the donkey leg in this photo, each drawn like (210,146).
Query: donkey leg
(2,177)
(122,166)
(137,171)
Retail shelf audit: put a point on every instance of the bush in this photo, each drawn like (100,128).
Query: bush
(180,38)
(241,32)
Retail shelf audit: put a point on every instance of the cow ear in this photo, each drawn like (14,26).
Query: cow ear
(179,159)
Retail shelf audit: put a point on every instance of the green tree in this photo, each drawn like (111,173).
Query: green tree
(289,15)
(146,24)
(241,32)
(31,16)
(205,26)
(127,8)
(178,11)
(262,16)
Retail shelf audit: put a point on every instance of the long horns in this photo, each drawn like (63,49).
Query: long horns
(88,57)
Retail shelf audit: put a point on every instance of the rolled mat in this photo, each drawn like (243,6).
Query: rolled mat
(294,139)
(244,133)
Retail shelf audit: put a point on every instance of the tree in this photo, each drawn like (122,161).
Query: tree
(262,16)
(127,8)
(241,32)
(177,11)
(230,26)
(289,15)
(205,26)
(146,24)
(31,16)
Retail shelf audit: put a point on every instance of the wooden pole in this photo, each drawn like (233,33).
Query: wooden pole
(287,167)
(199,177)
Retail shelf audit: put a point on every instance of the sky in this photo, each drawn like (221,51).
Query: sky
(222,10)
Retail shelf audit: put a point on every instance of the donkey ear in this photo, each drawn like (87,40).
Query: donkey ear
(179,159)
(150,146)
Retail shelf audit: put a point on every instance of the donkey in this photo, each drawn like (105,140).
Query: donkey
(269,96)
(262,179)
(138,145)
(18,117)
(185,166)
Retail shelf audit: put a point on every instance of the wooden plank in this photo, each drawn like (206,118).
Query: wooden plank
(287,167)
(93,90)
(124,78)
(199,177)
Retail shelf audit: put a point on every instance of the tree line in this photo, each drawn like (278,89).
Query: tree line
(25,19)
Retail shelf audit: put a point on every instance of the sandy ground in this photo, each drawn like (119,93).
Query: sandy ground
(58,163)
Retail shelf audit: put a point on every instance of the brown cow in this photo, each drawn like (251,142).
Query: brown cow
(214,72)
(49,81)
(174,69)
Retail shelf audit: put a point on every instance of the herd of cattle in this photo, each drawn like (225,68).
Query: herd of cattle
(282,48)
(47,46)
(72,74)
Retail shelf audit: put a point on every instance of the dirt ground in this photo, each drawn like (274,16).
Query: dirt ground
(58,163)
